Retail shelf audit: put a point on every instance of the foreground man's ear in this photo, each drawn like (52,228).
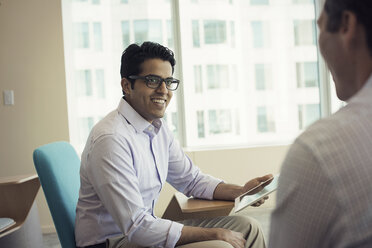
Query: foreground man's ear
(349,29)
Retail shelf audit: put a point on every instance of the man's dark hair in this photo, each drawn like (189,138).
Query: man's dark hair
(133,57)
(362,10)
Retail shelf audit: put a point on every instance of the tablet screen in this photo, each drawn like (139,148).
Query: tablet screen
(247,199)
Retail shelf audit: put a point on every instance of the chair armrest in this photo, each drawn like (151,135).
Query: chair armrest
(181,207)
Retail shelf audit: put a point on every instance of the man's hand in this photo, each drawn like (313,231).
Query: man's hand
(236,239)
(229,192)
(261,182)
(256,182)
(196,234)
(260,202)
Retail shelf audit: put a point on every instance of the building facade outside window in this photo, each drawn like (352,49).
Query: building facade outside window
(265,120)
(259,2)
(198,79)
(303,1)
(218,76)
(83,81)
(304,32)
(307,114)
(195,33)
(263,76)
(148,30)
(125,33)
(100,83)
(98,39)
(307,74)
(249,69)
(220,121)
(215,32)
(81,35)
(259,34)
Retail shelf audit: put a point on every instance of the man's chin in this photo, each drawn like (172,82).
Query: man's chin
(158,115)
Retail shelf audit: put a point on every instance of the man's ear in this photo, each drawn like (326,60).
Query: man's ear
(349,28)
(126,86)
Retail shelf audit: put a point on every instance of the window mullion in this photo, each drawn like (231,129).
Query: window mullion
(324,82)
(175,8)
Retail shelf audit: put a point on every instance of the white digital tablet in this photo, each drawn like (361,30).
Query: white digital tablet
(247,199)
(5,223)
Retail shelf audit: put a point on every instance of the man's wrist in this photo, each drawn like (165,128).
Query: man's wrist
(196,234)
(227,192)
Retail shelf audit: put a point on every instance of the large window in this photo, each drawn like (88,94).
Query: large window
(250,71)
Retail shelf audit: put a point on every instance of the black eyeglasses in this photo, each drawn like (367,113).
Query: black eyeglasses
(154,82)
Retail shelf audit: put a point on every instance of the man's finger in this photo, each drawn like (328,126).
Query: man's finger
(265,178)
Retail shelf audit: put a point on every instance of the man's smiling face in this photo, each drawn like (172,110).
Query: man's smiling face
(149,103)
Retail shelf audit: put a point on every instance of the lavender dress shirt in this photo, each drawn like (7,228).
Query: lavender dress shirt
(124,166)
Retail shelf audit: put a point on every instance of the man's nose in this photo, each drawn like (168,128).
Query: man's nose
(162,88)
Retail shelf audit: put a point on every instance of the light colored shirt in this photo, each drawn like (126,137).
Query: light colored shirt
(124,166)
(324,196)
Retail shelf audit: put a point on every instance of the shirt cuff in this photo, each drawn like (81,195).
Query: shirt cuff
(209,191)
(174,234)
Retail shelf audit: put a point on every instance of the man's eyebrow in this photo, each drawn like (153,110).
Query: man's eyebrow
(153,75)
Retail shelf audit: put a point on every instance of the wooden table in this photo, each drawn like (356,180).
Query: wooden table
(182,207)
(17,194)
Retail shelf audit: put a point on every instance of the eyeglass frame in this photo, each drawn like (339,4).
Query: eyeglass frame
(146,79)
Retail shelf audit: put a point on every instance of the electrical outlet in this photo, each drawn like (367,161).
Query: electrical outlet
(8,97)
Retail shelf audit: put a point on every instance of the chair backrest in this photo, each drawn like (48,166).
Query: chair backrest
(58,165)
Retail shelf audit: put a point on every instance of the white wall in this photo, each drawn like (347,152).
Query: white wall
(32,64)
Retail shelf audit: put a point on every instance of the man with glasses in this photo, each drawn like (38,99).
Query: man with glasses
(129,156)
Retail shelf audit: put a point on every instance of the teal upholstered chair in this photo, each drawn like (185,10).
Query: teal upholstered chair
(58,165)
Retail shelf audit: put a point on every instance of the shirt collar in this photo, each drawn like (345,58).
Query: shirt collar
(135,119)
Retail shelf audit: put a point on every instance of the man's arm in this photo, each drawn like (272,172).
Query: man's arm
(229,192)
